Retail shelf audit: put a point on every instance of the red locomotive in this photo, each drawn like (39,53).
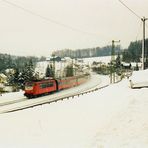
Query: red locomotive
(38,88)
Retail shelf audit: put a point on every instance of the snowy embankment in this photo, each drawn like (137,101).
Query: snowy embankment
(12,96)
(139,79)
(113,117)
(105,59)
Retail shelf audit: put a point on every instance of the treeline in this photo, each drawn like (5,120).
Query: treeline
(18,69)
(18,77)
(12,62)
(131,54)
(134,51)
(86,53)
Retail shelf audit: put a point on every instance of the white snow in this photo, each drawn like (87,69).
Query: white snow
(139,79)
(113,117)
(105,60)
(11,96)
(60,66)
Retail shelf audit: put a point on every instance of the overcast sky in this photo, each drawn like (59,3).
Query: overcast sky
(22,33)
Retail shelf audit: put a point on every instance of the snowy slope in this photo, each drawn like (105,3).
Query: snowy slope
(139,79)
(105,60)
(114,117)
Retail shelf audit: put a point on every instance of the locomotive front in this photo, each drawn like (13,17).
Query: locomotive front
(29,87)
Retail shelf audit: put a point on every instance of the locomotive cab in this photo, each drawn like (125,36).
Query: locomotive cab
(39,88)
(29,86)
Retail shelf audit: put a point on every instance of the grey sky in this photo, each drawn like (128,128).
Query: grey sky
(24,34)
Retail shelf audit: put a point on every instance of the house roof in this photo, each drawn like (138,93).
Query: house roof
(2,75)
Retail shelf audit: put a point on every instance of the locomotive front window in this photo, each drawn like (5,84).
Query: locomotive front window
(29,86)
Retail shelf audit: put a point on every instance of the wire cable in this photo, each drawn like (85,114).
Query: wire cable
(47,19)
(129,9)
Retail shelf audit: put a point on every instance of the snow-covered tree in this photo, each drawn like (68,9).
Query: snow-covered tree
(69,71)
(48,71)
(28,72)
(118,61)
(14,79)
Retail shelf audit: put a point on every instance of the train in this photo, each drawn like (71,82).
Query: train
(42,87)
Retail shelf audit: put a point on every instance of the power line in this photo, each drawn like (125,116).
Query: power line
(129,9)
(48,19)
(132,11)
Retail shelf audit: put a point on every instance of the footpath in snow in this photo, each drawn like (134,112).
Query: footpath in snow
(113,117)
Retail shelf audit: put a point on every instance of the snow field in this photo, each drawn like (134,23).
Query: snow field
(139,78)
(12,96)
(113,117)
(128,128)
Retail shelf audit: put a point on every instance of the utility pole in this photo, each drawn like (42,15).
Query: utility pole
(112,70)
(113,51)
(53,70)
(144,53)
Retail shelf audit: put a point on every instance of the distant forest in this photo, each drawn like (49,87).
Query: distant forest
(18,69)
(131,54)
(134,51)
(9,61)
(86,53)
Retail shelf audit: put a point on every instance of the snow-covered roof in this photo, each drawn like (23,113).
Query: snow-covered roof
(3,76)
(139,79)
(1,85)
(48,58)
(10,70)
(125,64)
(134,64)
(67,58)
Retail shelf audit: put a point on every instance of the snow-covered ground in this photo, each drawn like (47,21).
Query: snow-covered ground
(105,60)
(59,66)
(113,117)
(139,79)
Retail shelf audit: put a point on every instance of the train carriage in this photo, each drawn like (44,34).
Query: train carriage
(67,82)
(37,88)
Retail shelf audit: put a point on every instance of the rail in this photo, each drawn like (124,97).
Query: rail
(55,99)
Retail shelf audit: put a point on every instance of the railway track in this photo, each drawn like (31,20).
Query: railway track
(21,104)
(12,102)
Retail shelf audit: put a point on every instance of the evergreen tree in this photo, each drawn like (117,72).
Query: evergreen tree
(52,71)
(16,76)
(134,51)
(117,66)
(118,61)
(136,68)
(126,56)
(69,71)
(48,71)
(14,80)
(28,72)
